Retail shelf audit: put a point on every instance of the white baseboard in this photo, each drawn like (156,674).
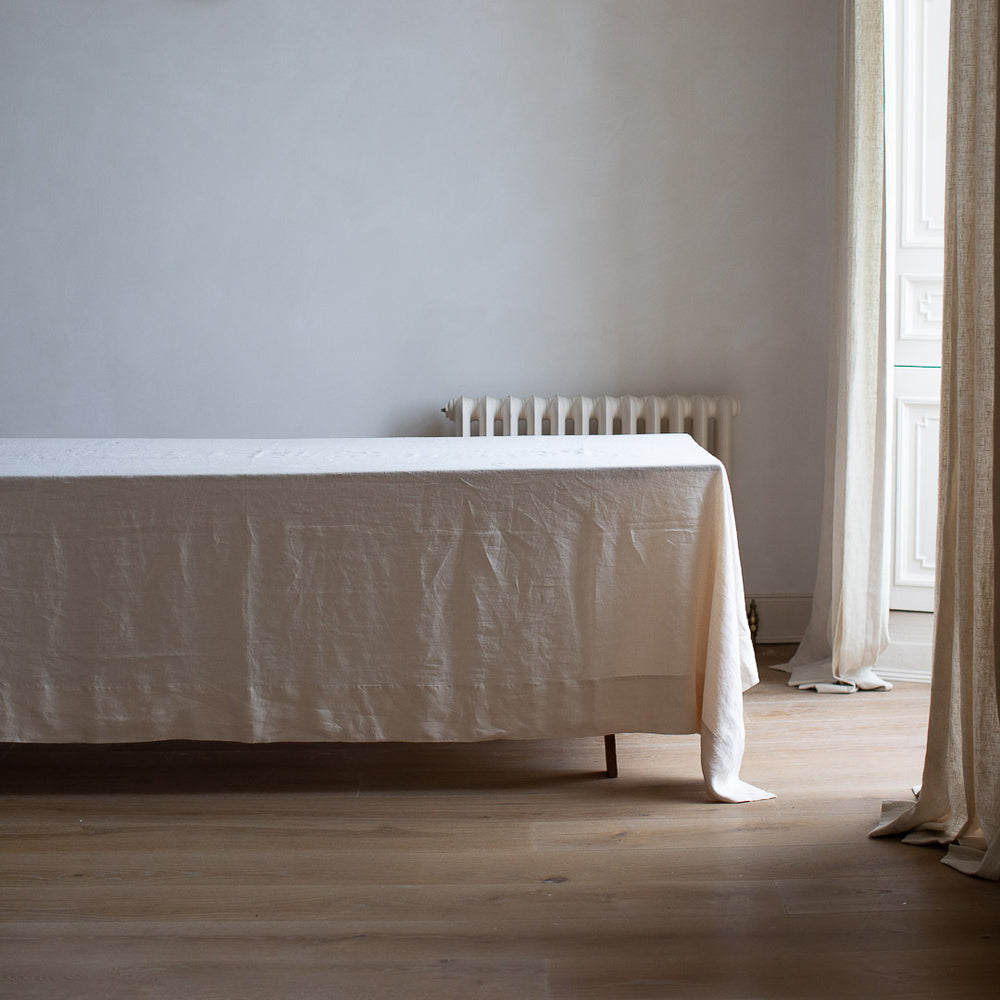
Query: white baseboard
(781,617)
(905,662)
(910,652)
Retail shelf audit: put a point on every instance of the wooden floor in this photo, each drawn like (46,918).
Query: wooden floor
(509,871)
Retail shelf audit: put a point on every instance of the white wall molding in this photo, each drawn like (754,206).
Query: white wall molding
(918,422)
(924,122)
(916,121)
(921,307)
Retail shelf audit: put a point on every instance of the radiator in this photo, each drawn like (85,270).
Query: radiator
(708,419)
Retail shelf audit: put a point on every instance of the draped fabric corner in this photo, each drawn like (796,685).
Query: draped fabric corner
(959,800)
(849,627)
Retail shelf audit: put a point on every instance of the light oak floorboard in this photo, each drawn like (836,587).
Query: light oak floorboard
(500,870)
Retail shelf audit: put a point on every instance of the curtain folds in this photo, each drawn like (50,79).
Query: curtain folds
(959,799)
(849,627)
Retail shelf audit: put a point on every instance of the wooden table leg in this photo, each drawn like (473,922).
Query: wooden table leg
(611,756)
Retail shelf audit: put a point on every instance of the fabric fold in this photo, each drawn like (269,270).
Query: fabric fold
(721,757)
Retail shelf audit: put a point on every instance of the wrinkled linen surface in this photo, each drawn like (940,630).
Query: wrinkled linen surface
(404,589)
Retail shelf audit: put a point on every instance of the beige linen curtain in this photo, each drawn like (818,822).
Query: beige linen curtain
(849,627)
(959,800)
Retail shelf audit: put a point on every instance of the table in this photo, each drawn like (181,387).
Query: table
(395,589)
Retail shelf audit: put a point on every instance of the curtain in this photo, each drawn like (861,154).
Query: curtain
(849,626)
(959,799)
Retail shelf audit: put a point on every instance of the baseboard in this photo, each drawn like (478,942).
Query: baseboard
(910,652)
(781,617)
(905,662)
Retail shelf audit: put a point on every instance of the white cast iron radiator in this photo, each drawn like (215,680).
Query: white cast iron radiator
(708,419)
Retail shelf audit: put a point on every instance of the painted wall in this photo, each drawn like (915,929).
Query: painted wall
(253,218)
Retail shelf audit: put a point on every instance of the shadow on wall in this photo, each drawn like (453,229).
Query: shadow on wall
(421,424)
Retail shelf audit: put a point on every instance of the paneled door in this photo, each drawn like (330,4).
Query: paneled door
(916,115)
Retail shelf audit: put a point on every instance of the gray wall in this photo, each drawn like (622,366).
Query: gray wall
(298,218)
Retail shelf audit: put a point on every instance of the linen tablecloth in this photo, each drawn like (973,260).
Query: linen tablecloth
(404,589)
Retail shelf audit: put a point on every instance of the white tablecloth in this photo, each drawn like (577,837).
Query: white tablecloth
(409,589)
